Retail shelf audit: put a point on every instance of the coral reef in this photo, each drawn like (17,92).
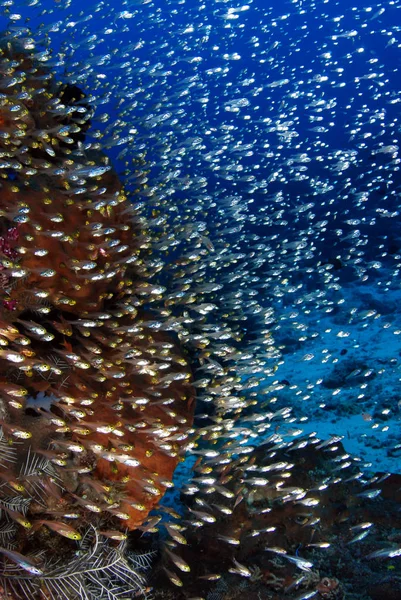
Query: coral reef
(95,400)
(301,518)
(104,346)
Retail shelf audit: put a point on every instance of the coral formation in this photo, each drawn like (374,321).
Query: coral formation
(301,518)
(95,400)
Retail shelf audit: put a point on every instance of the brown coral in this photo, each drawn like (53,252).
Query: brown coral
(95,398)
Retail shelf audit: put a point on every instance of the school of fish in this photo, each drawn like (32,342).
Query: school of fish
(194,198)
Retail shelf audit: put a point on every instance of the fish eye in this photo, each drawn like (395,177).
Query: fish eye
(301,520)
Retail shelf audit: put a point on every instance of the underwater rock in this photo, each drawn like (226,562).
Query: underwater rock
(347,373)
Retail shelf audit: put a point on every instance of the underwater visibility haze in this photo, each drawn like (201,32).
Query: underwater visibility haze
(200,258)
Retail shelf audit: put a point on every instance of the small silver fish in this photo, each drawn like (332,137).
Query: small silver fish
(23,561)
(240,569)
(384,553)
